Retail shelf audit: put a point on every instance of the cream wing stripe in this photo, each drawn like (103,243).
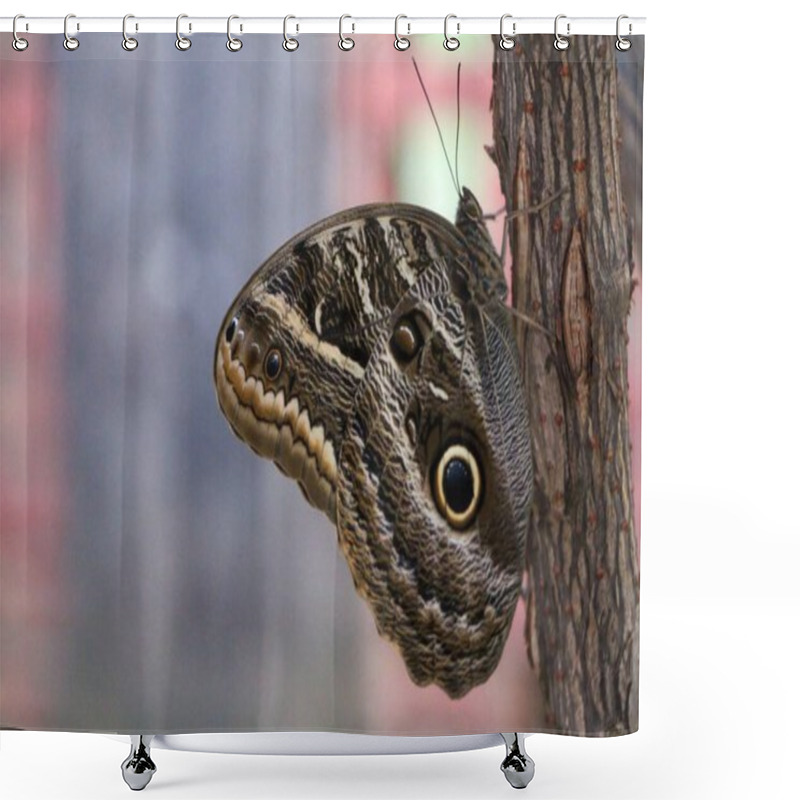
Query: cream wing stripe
(297,325)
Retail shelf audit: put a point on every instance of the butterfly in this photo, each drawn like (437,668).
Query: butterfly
(371,357)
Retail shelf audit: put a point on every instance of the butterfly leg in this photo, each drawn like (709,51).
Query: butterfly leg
(138,768)
(535,209)
(518,766)
(518,213)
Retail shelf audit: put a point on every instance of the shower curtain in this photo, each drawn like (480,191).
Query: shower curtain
(269,463)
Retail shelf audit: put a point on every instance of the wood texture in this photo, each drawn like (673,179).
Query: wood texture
(556,136)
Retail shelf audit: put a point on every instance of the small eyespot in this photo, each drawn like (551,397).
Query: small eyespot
(457,485)
(273,364)
(406,340)
(231,330)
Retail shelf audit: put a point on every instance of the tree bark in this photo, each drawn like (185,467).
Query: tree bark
(556,138)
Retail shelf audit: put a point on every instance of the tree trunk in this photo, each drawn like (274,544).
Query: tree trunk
(556,139)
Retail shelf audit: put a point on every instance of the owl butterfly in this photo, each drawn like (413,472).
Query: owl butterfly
(371,357)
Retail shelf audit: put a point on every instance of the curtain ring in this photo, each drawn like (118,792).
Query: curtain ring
(507,42)
(18,43)
(451,42)
(129,43)
(181,42)
(400,42)
(561,42)
(233,44)
(345,42)
(289,44)
(623,44)
(70,42)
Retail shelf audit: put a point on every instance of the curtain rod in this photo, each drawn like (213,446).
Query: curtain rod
(458,26)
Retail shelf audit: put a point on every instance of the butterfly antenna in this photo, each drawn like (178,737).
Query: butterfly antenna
(438,129)
(458,123)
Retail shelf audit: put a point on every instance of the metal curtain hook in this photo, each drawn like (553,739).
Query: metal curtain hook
(129,43)
(507,42)
(70,42)
(623,44)
(345,42)
(561,42)
(181,42)
(451,42)
(400,42)
(233,44)
(18,43)
(290,44)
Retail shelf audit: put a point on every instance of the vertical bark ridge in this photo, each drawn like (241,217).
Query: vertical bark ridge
(556,136)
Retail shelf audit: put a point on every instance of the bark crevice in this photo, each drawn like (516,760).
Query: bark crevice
(556,136)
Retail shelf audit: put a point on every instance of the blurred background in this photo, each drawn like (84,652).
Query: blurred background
(155,574)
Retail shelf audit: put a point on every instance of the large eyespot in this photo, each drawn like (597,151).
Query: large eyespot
(406,339)
(231,330)
(273,363)
(457,485)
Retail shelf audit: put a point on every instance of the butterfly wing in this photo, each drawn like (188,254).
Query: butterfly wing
(434,482)
(359,358)
(293,347)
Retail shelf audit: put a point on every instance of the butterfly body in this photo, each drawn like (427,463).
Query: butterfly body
(371,358)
